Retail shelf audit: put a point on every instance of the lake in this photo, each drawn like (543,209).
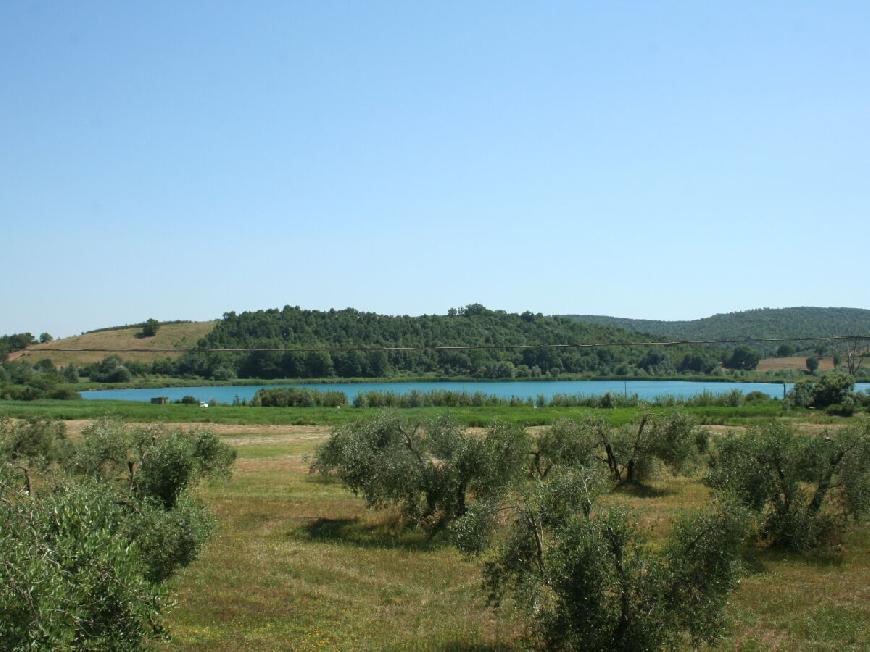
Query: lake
(645,389)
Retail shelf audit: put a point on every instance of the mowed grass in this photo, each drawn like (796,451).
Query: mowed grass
(300,564)
(169,336)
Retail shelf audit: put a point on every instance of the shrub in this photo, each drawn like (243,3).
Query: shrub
(803,488)
(150,328)
(70,580)
(582,577)
(297,397)
(830,389)
(427,470)
(109,370)
(84,556)
(32,444)
(742,358)
(632,451)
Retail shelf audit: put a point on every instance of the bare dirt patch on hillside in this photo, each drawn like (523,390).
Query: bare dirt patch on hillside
(793,363)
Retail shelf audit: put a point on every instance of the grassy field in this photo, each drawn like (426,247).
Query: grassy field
(472,416)
(299,563)
(182,335)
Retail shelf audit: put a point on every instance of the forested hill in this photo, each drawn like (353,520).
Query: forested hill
(343,336)
(764,322)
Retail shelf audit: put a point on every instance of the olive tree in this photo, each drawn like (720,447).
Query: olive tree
(629,452)
(87,547)
(69,578)
(428,470)
(804,488)
(32,444)
(582,576)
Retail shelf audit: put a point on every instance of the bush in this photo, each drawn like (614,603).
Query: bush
(742,358)
(85,555)
(582,577)
(150,328)
(109,370)
(830,389)
(297,397)
(803,488)
(427,470)
(630,452)
(70,579)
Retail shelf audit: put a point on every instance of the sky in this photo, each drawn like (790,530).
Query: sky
(665,160)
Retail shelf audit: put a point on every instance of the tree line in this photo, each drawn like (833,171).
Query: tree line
(763,322)
(347,343)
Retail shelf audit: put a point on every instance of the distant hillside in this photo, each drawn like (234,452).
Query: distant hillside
(342,338)
(765,322)
(169,335)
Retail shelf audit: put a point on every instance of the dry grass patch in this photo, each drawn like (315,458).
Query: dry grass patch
(169,336)
(793,363)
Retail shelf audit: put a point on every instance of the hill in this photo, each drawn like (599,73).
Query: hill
(347,343)
(764,322)
(169,335)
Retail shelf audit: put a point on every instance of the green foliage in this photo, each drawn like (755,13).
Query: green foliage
(22,381)
(69,578)
(165,464)
(803,488)
(830,389)
(812,364)
(113,517)
(70,373)
(297,397)
(426,469)
(631,451)
(584,578)
(110,370)
(169,539)
(32,444)
(348,343)
(784,351)
(567,443)
(761,323)
(150,328)
(742,358)
(16,342)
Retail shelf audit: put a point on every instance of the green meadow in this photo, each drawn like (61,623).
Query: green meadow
(300,563)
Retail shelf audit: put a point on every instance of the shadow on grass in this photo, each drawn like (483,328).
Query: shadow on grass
(320,478)
(642,491)
(472,647)
(352,532)
(824,557)
(758,559)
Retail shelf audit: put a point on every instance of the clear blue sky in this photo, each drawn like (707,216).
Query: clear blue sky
(656,160)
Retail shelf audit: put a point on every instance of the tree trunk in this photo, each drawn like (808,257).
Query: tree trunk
(27,486)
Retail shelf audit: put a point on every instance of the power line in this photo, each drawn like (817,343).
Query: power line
(447,347)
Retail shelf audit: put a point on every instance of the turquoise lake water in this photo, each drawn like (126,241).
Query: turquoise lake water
(645,389)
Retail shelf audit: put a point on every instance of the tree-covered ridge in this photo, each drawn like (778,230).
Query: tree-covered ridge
(763,322)
(349,343)
(472,325)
